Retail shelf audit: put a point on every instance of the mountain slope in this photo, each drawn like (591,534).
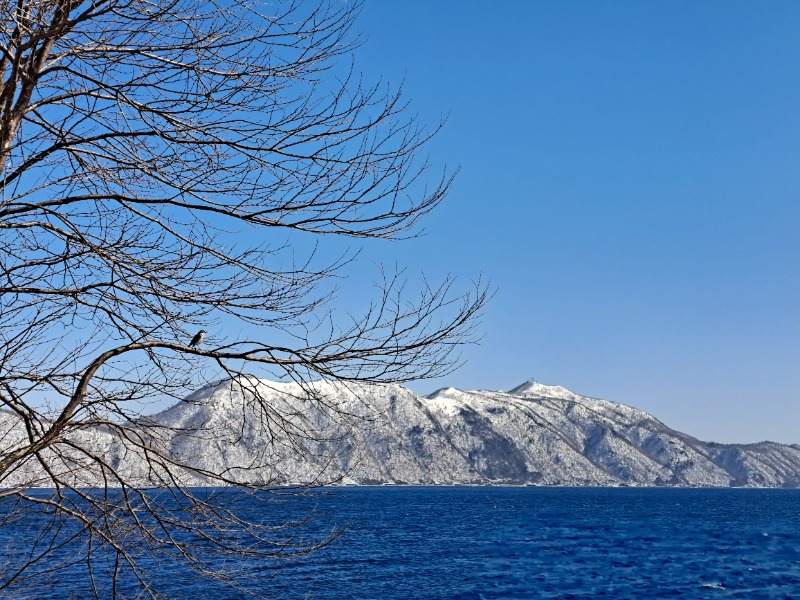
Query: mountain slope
(534,434)
(376,434)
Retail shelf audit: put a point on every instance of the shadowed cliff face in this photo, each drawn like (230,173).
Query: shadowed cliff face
(534,434)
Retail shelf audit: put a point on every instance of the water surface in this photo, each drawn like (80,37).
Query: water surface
(506,542)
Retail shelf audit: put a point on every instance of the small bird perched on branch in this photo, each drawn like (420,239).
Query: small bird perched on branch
(197,339)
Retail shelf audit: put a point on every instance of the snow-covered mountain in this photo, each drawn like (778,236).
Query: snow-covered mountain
(376,434)
(533,434)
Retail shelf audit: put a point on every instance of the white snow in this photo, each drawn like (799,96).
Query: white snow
(265,431)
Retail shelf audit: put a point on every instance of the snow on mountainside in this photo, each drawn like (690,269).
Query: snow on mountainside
(533,434)
(375,434)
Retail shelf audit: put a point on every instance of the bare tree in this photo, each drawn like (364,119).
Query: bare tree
(171,166)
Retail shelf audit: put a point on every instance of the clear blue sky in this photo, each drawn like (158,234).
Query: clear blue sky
(630,183)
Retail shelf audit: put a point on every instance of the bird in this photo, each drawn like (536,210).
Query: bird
(198,338)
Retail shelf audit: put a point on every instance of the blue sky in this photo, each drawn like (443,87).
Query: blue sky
(630,183)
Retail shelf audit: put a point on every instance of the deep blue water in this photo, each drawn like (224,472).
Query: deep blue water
(496,542)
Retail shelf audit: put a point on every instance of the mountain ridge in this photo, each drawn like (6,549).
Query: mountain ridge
(532,434)
(371,434)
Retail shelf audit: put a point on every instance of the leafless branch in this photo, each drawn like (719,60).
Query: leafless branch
(172,166)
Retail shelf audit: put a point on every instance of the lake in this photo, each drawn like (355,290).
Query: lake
(530,542)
